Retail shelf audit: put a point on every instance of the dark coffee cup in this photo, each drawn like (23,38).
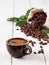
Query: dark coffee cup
(18,47)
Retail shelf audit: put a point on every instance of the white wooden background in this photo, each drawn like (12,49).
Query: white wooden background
(6,10)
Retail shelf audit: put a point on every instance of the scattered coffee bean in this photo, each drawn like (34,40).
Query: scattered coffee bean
(32,42)
(41,42)
(35,53)
(42,51)
(39,39)
(17,29)
(41,47)
(44,44)
(39,51)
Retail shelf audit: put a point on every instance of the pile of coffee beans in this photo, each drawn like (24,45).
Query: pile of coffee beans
(34,29)
(29,30)
(38,19)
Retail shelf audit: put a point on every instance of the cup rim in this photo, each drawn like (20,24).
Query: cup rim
(27,42)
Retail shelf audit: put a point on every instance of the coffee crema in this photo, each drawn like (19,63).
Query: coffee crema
(17,41)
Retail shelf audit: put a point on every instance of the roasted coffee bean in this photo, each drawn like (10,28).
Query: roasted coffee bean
(41,47)
(39,39)
(35,53)
(42,51)
(47,40)
(41,42)
(17,29)
(30,19)
(44,44)
(32,42)
(39,51)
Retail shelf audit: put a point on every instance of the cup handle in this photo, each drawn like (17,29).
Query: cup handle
(27,50)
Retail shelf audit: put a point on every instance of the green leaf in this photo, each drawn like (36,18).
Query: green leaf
(21,23)
(23,17)
(45,31)
(13,19)
(27,13)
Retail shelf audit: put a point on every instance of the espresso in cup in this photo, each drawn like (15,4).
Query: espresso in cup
(18,47)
